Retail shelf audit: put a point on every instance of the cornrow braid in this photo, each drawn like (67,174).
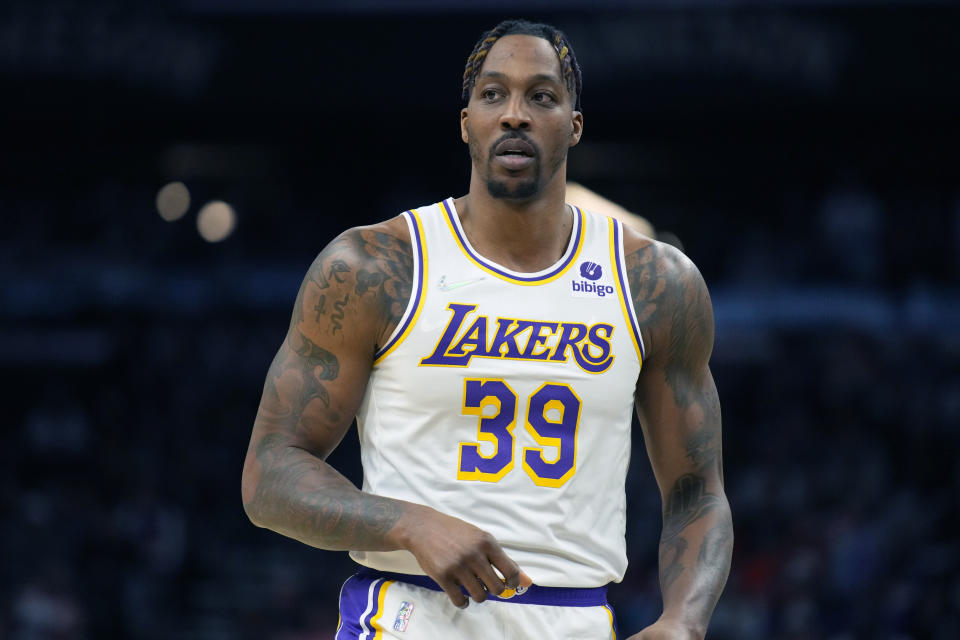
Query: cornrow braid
(569,66)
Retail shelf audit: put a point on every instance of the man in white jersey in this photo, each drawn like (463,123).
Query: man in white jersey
(492,348)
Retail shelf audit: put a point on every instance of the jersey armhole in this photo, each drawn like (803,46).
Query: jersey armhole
(415,303)
(623,285)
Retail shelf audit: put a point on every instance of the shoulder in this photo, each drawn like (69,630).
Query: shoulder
(649,261)
(669,295)
(359,246)
(365,273)
(384,246)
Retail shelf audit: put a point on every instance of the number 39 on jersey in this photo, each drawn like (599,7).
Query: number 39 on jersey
(551,416)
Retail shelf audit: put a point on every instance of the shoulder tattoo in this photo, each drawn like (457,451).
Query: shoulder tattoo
(365,266)
(673,308)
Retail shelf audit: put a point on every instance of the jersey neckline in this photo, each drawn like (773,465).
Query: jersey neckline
(543,276)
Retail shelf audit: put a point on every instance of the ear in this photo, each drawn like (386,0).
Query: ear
(463,125)
(576,120)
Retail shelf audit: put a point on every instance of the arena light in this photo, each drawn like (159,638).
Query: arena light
(216,221)
(173,200)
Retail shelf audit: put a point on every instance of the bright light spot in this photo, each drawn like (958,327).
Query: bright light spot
(216,221)
(173,200)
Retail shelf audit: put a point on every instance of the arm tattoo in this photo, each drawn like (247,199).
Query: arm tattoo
(302,497)
(297,493)
(390,276)
(384,270)
(367,280)
(703,442)
(673,307)
(318,364)
(320,307)
(288,412)
(387,274)
(671,552)
(337,318)
(713,557)
(649,287)
(671,298)
(338,267)
(688,502)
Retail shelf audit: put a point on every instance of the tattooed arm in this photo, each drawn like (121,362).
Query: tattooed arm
(679,411)
(349,304)
(349,301)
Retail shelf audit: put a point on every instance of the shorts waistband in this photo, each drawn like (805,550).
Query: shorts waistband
(535,594)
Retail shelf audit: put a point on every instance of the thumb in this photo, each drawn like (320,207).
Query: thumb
(525,580)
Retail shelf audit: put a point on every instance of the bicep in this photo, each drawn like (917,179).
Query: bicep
(317,379)
(311,393)
(682,431)
(677,400)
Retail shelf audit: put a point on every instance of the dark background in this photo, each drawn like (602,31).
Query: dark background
(805,154)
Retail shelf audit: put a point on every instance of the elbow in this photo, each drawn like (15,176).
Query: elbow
(251,501)
(253,514)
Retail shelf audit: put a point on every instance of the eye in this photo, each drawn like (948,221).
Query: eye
(544,97)
(489,95)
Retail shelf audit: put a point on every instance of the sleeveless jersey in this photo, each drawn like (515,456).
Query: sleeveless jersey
(505,399)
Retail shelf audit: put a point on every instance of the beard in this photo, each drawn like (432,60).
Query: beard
(517,189)
(523,190)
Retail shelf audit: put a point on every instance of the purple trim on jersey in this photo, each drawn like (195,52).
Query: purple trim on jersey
(355,597)
(418,290)
(553,596)
(628,303)
(454,223)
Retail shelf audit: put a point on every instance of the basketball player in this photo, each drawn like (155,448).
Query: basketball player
(492,348)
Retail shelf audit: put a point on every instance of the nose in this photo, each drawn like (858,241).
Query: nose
(515,114)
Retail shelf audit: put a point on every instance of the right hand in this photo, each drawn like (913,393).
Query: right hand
(455,553)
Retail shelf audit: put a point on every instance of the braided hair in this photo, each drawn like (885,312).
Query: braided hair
(569,66)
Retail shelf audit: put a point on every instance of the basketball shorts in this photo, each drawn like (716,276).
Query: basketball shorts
(376,605)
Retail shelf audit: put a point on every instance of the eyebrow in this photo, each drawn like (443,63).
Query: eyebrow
(538,77)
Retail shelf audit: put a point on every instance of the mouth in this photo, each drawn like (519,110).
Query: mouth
(517,147)
(514,154)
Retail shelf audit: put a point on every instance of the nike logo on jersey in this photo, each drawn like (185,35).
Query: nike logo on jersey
(445,286)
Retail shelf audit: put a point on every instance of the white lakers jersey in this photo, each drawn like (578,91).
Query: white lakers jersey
(505,399)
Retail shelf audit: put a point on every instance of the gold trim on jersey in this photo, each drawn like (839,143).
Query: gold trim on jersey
(613,628)
(375,620)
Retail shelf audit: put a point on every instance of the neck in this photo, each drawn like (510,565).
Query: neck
(525,236)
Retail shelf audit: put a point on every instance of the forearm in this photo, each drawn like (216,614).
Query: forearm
(300,496)
(695,552)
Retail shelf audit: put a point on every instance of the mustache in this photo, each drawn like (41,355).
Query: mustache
(510,135)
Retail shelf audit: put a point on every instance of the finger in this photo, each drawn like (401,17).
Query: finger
(453,592)
(490,578)
(473,586)
(525,580)
(509,569)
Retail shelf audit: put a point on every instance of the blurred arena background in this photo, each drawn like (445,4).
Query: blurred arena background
(804,153)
